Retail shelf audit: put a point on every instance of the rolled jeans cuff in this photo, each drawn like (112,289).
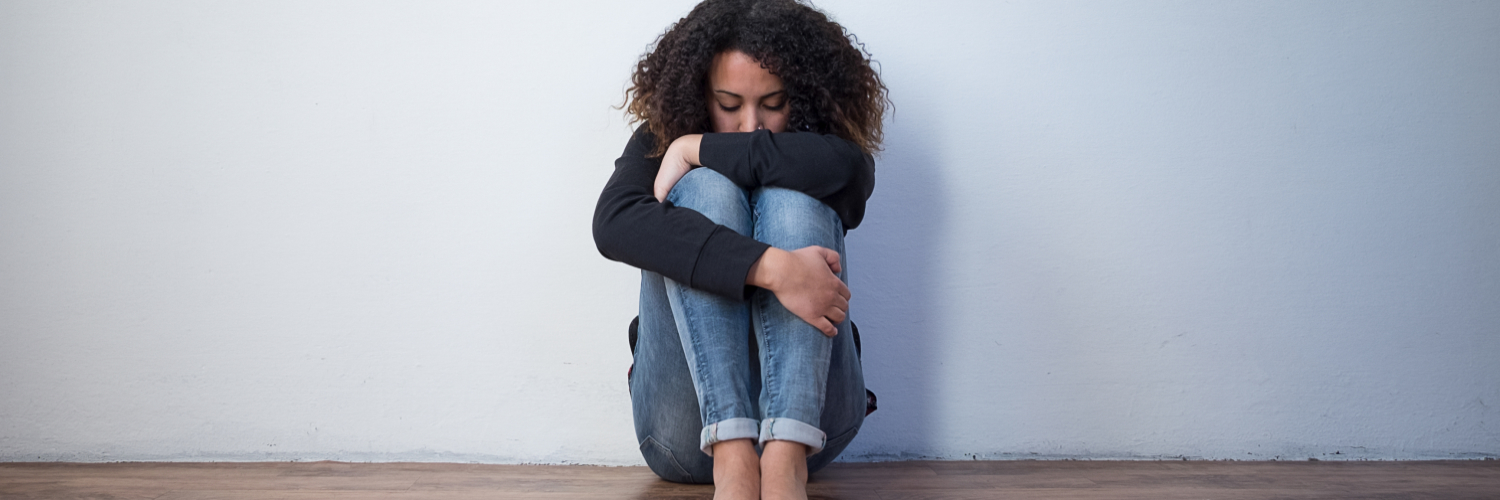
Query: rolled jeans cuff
(724,430)
(787,429)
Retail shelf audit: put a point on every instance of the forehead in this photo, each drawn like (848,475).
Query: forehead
(734,71)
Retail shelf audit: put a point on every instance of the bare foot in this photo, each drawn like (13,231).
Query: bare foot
(736,470)
(783,471)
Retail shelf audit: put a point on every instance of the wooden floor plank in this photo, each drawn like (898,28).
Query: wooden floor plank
(929,480)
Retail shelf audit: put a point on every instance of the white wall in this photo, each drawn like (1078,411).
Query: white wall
(341,230)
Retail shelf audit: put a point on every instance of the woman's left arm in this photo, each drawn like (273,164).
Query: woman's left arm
(825,167)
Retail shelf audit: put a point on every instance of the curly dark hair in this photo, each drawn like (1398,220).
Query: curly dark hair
(825,70)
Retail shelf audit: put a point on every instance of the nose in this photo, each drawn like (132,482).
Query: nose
(750,121)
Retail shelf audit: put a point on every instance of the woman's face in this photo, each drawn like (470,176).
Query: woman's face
(744,97)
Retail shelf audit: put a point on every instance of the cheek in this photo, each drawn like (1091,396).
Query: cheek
(776,122)
(723,122)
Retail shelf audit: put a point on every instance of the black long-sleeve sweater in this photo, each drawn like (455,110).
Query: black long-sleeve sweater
(630,226)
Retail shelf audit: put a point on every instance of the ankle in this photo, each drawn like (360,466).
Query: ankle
(783,468)
(784,454)
(736,470)
(735,450)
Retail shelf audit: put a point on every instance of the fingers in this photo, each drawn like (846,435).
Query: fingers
(813,291)
(841,300)
(832,258)
(826,327)
(836,316)
(838,311)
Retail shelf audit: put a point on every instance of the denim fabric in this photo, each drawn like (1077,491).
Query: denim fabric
(710,368)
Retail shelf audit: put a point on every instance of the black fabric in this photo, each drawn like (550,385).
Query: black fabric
(630,226)
(635,333)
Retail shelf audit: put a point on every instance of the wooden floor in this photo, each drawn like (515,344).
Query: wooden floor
(877,481)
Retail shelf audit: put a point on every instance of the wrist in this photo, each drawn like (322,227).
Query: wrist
(687,146)
(765,271)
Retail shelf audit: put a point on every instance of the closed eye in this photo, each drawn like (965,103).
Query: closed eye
(774,101)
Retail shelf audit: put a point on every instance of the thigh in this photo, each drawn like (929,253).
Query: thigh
(663,402)
(715,196)
(790,220)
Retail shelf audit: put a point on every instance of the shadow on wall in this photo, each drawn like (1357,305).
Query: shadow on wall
(893,258)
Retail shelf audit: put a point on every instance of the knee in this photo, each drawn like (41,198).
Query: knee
(793,218)
(705,179)
(775,201)
(713,195)
(789,198)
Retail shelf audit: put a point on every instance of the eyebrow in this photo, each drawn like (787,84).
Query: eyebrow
(732,94)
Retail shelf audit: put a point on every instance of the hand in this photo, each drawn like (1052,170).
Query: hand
(681,156)
(805,283)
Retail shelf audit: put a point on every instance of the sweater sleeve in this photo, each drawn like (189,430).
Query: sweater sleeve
(826,167)
(630,226)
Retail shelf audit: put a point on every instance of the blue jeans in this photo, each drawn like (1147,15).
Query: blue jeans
(700,357)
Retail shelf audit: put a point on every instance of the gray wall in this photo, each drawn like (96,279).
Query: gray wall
(338,230)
